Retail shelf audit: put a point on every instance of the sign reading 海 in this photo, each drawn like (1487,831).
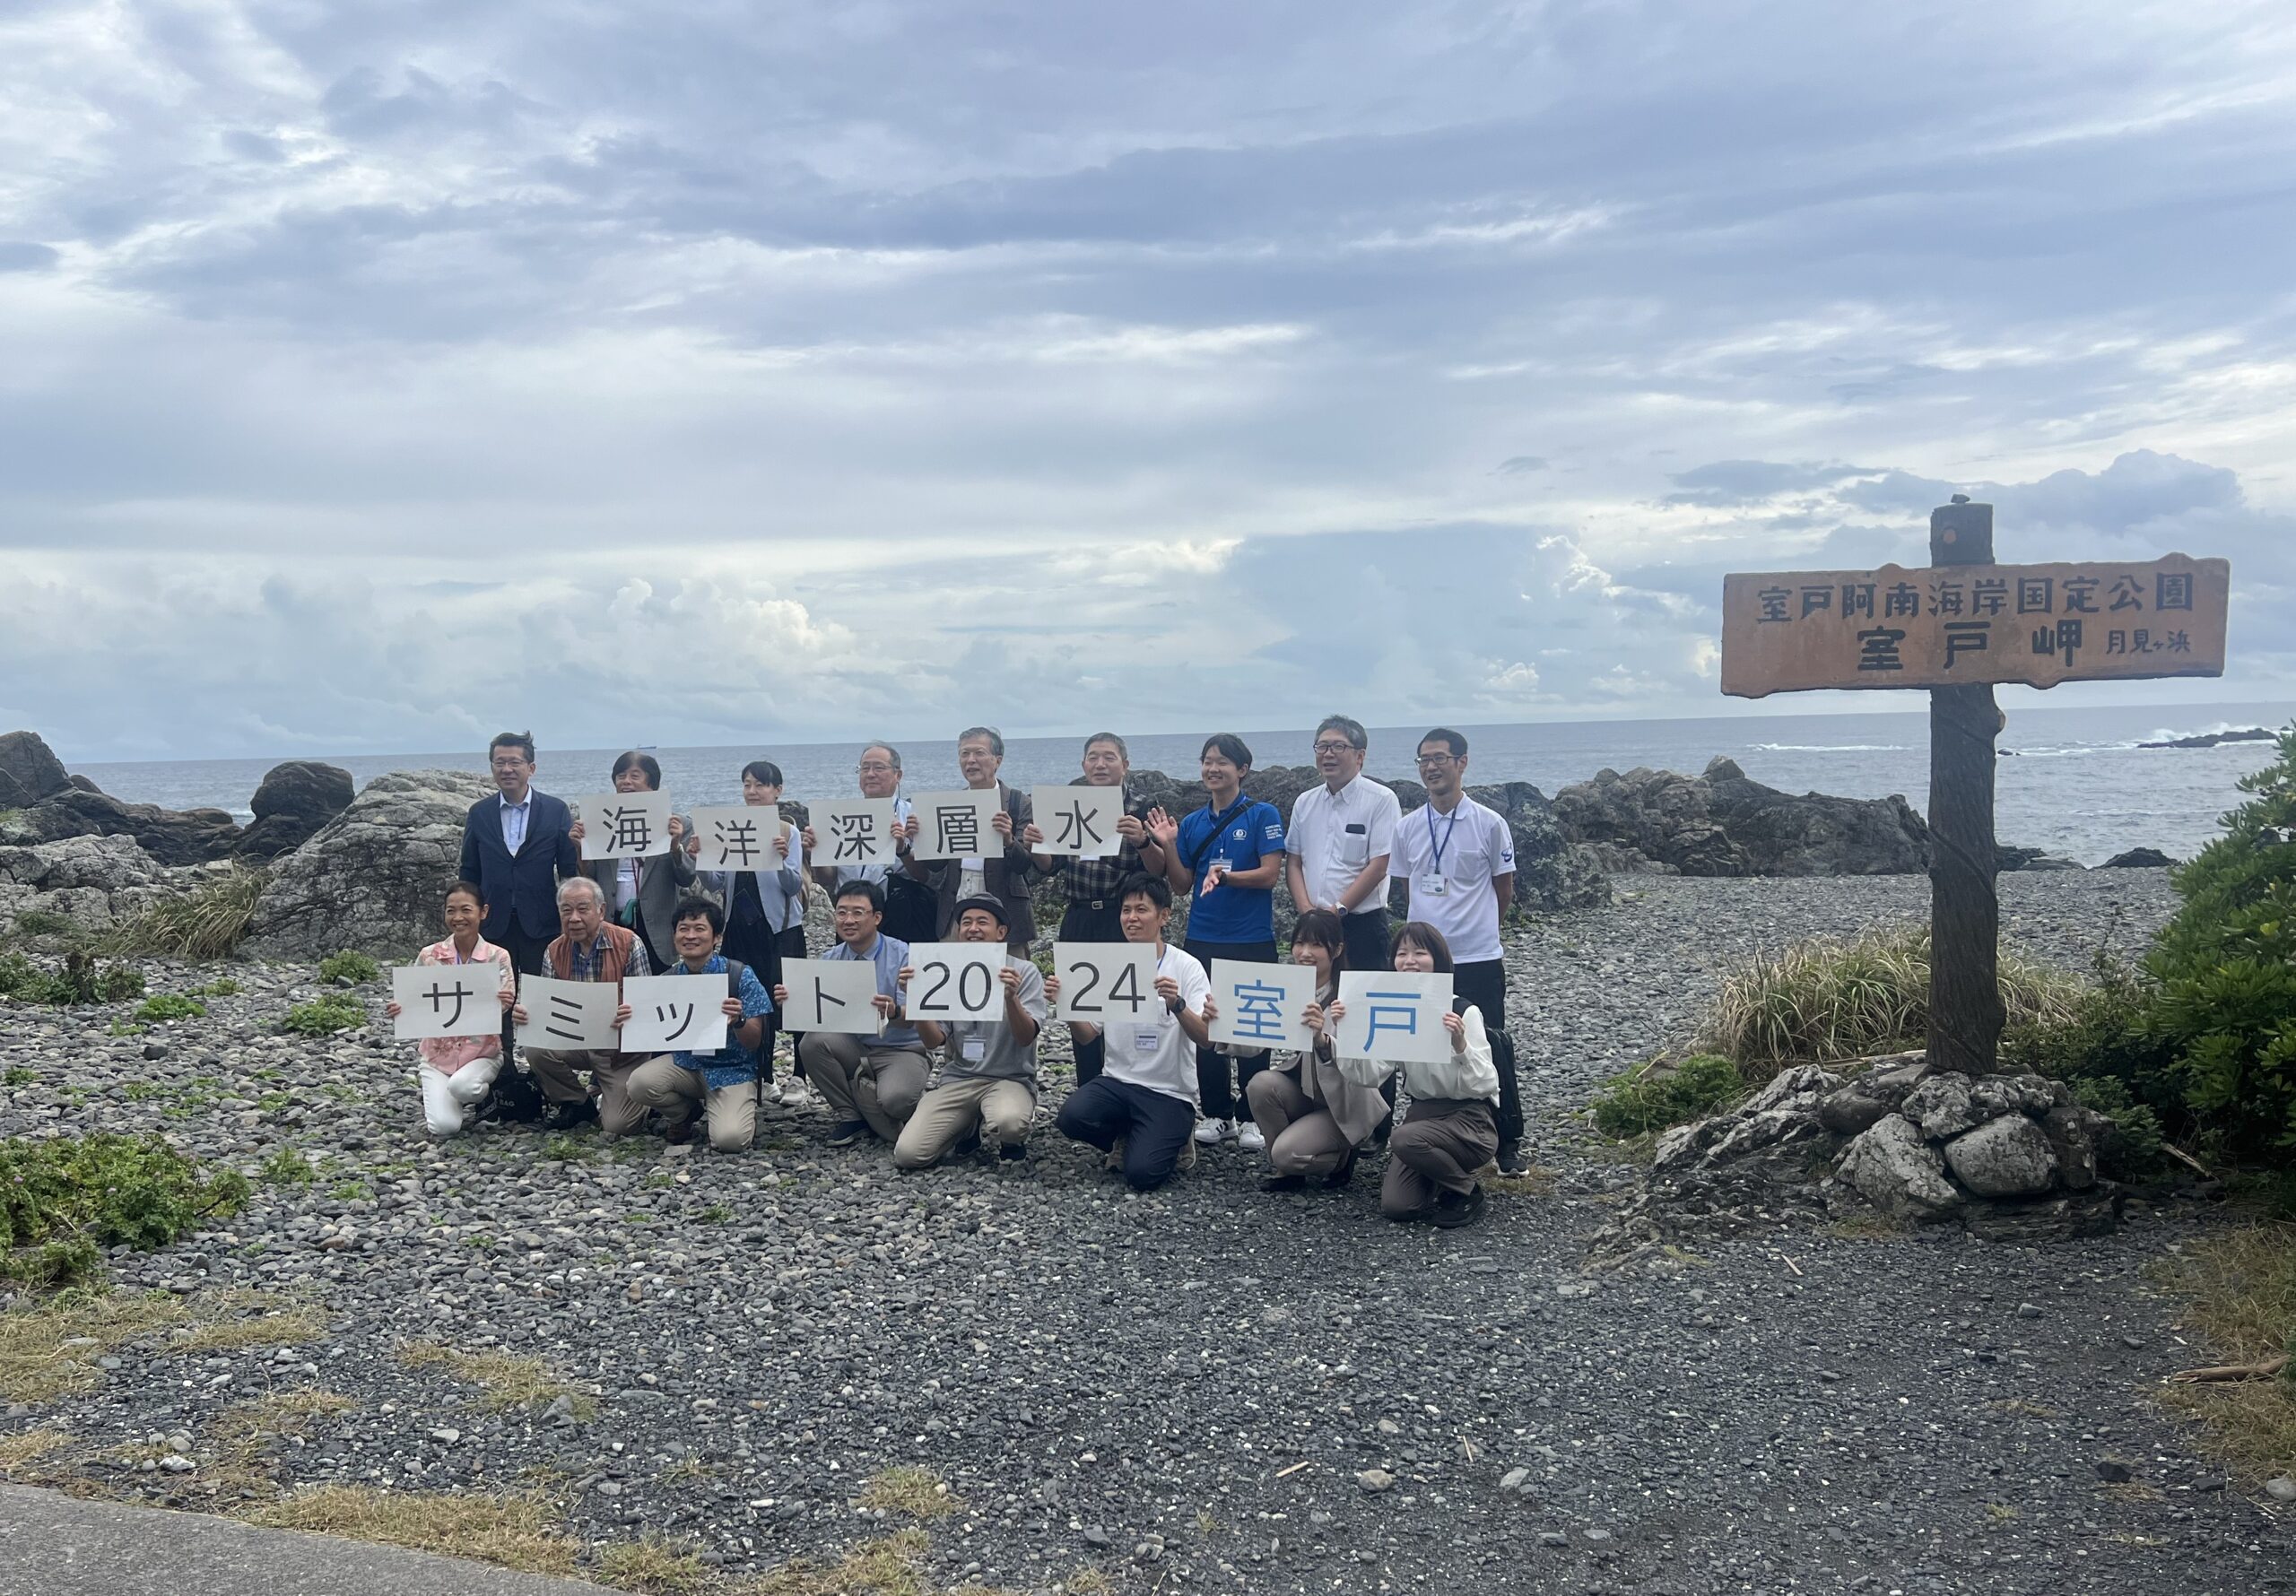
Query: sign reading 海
(1973,625)
(625,825)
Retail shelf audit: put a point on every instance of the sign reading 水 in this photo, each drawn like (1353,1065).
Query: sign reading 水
(1394,1016)
(1259,1005)
(1973,625)
(1079,820)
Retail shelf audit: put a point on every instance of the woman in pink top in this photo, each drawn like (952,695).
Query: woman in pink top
(456,1071)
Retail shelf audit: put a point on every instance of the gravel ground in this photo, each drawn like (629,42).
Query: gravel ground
(1206,1388)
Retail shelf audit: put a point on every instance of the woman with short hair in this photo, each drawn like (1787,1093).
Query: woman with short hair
(455,1072)
(765,914)
(642,894)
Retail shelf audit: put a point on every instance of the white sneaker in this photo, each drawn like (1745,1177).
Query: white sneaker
(792,1093)
(1212,1133)
(1248,1138)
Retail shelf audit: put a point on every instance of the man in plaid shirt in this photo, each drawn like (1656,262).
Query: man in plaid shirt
(1091,884)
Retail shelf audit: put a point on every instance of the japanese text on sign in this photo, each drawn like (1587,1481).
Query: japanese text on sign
(739,838)
(1259,1005)
(447,999)
(1970,625)
(854,833)
(1106,983)
(1079,820)
(830,994)
(1394,1016)
(957,825)
(625,825)
(674,1014)
(568,1015)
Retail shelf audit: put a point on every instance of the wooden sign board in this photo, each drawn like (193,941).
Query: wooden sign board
(1973,625)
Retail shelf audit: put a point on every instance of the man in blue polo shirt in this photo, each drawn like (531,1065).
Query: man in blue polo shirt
(1229,854)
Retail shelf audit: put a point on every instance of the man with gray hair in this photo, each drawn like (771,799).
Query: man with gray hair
(589,948)
(1005,874)
(906,884)
(1339,840)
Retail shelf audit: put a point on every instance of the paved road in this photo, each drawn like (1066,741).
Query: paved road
(57,1546)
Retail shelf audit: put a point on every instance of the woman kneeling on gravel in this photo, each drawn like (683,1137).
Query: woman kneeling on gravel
(1452,1128)
(1313,1116)
(456,1071)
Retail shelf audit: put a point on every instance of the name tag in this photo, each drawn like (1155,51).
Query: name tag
(1434,886)
(1143,1042)
(974,1049)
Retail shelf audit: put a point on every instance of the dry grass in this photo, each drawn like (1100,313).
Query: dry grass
(282,1413)
(1089,1581)
(50,1351)
(289,1327)
(2243,1286)
(1825,999)
(18,1450)
(520,1532)
(917,1493)
(506,1380)
(1537,1181)
(206,922)
(886,1567)
(653,1568)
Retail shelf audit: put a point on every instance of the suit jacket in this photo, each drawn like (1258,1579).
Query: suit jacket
(1007,877)
(663,879)
(523,889)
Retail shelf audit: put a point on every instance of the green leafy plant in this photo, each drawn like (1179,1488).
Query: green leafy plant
(169,1006)
(226,987)
(348,968)
(63,1201)
(287,1167)
(80,980)
(48,924)
(324,1016)
(1659,1093)
(205,922)
(18,1075)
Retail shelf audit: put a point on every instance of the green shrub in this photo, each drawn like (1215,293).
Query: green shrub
(287,1167)
(226,987)
(119,984)
(1656,1093)
(63,1201)
(81,980)
(348,968)
(2226,969)
(18,1075)
(48,922)
(323,1016)
(169,1006)
(1824,1000)
(205,922)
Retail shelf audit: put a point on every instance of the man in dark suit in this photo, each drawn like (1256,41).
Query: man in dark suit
(516,848)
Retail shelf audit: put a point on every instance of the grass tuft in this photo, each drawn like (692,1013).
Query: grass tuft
(50,1351)
(917,1493)
(324,1016)
(885,1567)
(652,1567)
(291,1327)
(506,1380)
(27,1446)
(2243,1292)
(511,1531)
(203,924)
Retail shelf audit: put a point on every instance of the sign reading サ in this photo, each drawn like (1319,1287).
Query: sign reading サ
(1973,625)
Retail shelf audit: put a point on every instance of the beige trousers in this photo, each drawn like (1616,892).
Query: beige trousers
(1302,1136)
(559,1076)
(675,1092)
(1438,1146)
(1001,1109)
(859,1079)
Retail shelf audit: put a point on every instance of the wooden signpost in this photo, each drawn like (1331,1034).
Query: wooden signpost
(1957,628)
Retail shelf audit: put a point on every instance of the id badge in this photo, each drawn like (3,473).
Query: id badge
(1144,1041)
(974,1049)
(1222,862)
(1435,886)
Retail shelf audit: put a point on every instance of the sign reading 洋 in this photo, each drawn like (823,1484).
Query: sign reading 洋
(1973,625)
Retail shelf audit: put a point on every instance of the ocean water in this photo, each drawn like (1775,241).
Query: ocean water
(2078,784)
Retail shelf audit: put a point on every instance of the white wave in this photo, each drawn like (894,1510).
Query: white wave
(1832,748)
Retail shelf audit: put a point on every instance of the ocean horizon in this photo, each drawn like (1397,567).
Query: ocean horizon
(2078,784)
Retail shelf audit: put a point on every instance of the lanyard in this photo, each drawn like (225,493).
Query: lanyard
(1446,842)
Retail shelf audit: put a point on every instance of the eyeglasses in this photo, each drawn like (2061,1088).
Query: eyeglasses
(1437,760)
(878,768)
(1334,747)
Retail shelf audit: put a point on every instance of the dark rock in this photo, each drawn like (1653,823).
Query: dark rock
(2140,859)
(30,770)
(1859,1106)
(273,835)
(1722,824)
(171,837)
(84,784)
(2113,1473)
(303,788)
(2215,739)
(2075,1134)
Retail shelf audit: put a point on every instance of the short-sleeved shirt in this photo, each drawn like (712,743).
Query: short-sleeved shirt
(984,1050)
(1245,832)
(888,955)
(1336,834)
(1476,846)
(733,1063)
(1160,1056)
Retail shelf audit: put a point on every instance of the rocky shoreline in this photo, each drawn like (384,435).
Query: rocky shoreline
(1203,1388)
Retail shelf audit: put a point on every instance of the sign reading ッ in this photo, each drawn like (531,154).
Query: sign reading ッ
(1967,626)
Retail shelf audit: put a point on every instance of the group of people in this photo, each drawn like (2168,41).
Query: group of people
(1148,1093)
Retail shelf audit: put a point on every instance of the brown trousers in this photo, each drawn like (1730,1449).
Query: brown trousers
(1000,1109)
(673,1091)
(1302,1136)
(1438,1146)
(559,1074)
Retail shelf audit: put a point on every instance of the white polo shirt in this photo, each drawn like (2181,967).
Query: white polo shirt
(1160,1056)
(1474,847)
(1336,834)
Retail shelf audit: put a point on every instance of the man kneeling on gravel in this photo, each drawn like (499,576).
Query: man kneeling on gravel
(988,1090)
(1140,1108)
(871,1083)
(722,1084)
(587,948)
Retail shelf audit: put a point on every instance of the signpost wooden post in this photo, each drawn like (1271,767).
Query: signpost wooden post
(1957,628)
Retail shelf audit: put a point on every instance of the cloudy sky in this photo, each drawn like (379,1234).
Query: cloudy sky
(377,375)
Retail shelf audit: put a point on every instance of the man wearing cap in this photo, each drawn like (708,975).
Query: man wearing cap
(987,1086)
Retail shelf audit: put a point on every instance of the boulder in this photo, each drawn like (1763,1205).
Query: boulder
(1721,823)
(108,863)
(171,837)
(30,770)
(2063,1216)
(372,878)
(1881,1090)
(1994,1095)
(2009,1157)
(2075,1134)
(1893,1168)
(2139,859)
(1941,1106)
(291,803)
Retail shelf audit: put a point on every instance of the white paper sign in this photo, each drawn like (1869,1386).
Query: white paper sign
(625,825)
(447,1000)
(853,833)
(1259,1005)
(830,994)
(956,825)
(955,981)
(1079,820)
(683,1013)
(569,1016)
(1106,983)
(740,838)
(1394,1016)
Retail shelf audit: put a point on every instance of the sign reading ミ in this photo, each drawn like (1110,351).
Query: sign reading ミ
(569,1016)
(1954,626)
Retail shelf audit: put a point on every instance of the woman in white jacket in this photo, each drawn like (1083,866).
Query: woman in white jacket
(1452,1127)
